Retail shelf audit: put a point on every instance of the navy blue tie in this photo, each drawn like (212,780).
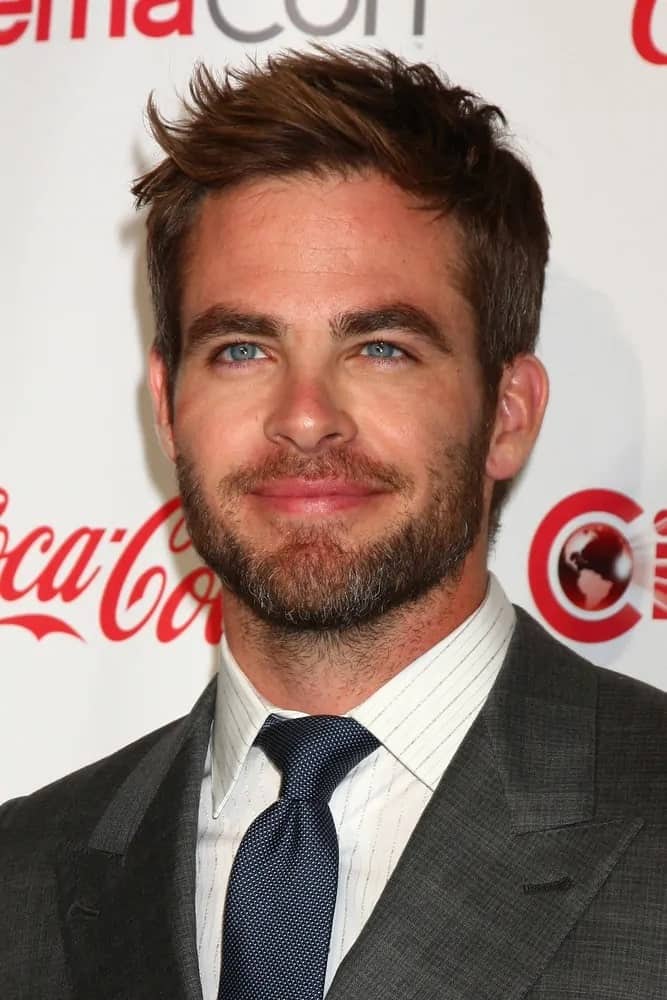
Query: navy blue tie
(282,888)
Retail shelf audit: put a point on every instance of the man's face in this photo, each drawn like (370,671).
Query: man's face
(329,424)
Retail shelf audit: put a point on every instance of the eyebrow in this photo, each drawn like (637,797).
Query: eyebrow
(395,316)
(221,320)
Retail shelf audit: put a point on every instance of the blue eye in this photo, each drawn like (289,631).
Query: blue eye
(380,349)
(240,351)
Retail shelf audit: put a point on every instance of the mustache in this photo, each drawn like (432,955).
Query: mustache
(330,465)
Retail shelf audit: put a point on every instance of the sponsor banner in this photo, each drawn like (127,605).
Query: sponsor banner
(108,623)
(34,19)
(598,565)
(44,576)
(645,33)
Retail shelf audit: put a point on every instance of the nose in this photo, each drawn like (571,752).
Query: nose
(307,416)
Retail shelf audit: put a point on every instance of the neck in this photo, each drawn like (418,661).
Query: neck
(331,673)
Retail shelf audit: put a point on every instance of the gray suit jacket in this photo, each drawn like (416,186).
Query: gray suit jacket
(537,870)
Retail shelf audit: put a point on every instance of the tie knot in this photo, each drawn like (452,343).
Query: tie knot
(315,752)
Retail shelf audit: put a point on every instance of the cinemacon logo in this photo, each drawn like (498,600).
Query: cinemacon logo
(643,35)
(36,19)
(597,565)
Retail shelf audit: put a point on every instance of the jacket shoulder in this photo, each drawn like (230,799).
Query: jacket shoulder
(630,720)
(631,745)
(625,696)
(66,808)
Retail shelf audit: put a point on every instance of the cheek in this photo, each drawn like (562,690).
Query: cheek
(216,431)
(408,430)
(428,413)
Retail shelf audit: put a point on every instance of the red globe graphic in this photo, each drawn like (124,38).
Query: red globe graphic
(595,566)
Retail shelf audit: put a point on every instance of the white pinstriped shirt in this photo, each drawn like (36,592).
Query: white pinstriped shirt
(420,717)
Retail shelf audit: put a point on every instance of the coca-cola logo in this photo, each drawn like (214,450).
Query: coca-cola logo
(44,576)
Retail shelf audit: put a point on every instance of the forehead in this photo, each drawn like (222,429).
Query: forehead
(304,238)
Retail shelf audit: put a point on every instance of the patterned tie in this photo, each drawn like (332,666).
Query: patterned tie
(282,888)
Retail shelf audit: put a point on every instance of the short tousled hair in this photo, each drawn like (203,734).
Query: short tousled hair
(326,110)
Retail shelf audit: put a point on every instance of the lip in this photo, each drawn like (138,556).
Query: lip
(315,497)
(315,488)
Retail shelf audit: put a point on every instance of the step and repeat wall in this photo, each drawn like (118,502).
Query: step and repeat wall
(108,623)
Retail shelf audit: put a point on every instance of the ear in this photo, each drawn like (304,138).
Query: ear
(157,382)
(522,398)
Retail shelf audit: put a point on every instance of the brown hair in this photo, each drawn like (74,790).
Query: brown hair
(348,110)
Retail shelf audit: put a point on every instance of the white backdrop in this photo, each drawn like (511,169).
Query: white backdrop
(91,591)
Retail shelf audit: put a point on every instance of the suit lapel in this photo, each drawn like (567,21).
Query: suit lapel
(507,856)
(127,896)
(502,864)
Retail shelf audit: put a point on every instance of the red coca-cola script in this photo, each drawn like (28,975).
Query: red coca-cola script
(132,588)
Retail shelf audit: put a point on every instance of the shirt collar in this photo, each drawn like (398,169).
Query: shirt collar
(419,715)
(240,713)
(422,714)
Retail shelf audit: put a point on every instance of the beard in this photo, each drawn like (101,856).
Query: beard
(311,581)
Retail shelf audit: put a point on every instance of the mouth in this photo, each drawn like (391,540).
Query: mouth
(320,496)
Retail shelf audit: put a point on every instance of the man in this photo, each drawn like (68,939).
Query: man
(402,786)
